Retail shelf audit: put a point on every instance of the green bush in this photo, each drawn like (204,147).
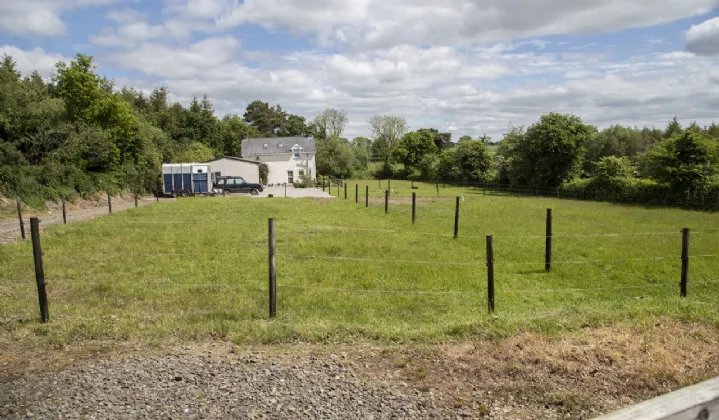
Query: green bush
(641,191)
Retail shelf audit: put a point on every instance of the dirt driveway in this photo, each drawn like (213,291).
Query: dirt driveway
(83,210)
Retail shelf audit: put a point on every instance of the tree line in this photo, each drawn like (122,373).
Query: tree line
(75,134)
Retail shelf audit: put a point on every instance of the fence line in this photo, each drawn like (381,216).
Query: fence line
(477,236)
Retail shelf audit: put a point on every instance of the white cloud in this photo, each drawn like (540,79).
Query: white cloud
(35,59)
(130,33)
(703,39)
(476,91)
(370,24)
(125,15)
(39,17)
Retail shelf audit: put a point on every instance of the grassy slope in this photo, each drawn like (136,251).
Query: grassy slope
(133,275)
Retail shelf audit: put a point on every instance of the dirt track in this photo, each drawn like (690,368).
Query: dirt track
(10,228)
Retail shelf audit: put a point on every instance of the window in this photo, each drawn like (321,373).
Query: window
(296,153)
(302,172)
(290,177)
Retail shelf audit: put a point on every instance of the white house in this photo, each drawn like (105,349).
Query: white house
(287,158)
(233,166)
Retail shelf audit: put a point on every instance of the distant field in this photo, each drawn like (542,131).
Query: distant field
(198,267)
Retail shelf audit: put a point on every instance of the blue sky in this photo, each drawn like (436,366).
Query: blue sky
(472,67)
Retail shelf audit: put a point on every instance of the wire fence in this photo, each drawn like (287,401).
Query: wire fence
(70,266)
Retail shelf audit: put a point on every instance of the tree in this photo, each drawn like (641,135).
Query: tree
(465,138)
(673,128)
(293,125)
(687,161)
(335,157)
(233,130)
(386,130)
(79,86)
(263,117)
(331,122)
(413,147)
(550,152)
(609,168)
(195,152)
(614,141)
(441,140)
(362,147)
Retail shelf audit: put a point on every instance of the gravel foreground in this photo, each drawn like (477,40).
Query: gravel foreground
(208,386)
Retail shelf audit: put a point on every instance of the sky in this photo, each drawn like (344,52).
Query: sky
(471,67)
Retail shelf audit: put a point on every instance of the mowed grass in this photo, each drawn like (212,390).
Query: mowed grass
(198,267)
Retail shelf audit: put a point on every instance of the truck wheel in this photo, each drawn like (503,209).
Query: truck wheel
(255,191)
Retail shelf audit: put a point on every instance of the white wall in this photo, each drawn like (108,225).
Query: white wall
(279,164)
(230,167)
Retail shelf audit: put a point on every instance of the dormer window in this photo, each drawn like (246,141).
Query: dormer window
(296,151)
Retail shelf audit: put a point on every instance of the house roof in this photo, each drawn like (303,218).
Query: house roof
(276,145)
(235,158)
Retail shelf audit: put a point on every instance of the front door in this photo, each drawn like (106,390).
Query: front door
(290,177)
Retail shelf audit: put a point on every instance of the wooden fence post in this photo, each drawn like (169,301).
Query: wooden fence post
(490,274)
(685,261)
(323,185)
(109,202)
(39,269)
(285,190)
(414,206)
(366,195)
(484,188)
(64,213)
(19,216)
(356,193)
(273,272)
(386,201)
(389,182)
(456,219)
(135,199)
(329,184)
(437,184)
(345,184)
(548,245)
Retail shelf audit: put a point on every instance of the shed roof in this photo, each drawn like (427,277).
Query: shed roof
(235,158)
(275,145)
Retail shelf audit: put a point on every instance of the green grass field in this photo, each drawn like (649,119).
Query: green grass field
(198,267)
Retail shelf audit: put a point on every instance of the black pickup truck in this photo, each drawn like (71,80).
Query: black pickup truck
(237,185)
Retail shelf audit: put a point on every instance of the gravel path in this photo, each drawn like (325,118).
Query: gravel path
(203,386)
(10,228)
